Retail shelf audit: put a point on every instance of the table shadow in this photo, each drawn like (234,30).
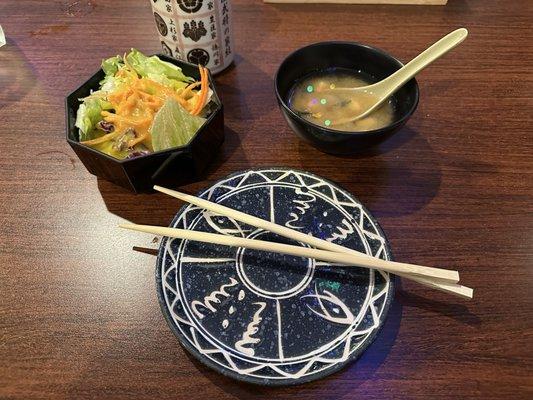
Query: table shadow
(16,75)
(389,186)
(399,139)
(456,311)
(356,373)
(158,208)
(240,103)
(232,147)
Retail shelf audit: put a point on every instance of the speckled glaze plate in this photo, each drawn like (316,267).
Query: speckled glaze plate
(266,318)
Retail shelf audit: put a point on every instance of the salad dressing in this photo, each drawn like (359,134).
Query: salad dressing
(121,118)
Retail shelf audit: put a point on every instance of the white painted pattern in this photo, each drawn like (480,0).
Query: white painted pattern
(348,317)
(213,297)
(343,230)
(349,343)
(358,318)
(280,330)
(248,335)
(269,293)
(302,204)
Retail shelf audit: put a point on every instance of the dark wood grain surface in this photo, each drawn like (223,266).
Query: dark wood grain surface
(79,317)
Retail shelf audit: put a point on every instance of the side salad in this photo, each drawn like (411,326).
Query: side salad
(143,105)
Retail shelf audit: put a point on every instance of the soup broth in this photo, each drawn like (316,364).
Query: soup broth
(314,98)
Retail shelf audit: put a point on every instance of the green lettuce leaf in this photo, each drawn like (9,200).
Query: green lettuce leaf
(153,66)
(88,115)
(173,126)
(163,80)
(111,65)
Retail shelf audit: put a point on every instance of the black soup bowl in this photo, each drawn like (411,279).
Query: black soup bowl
(320,57)
(172,167)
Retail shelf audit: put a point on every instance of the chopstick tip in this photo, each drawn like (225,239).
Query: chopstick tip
(126,226)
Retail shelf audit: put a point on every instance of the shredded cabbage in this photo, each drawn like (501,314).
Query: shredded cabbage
(153,66)
(111,65)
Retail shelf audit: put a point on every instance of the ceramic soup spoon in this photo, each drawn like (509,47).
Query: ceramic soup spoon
(372,96)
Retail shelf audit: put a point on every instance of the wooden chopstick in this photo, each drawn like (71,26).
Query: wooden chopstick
(456,289)
(453,288)
(324,255)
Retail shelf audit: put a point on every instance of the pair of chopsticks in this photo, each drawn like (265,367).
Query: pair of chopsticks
(437,278)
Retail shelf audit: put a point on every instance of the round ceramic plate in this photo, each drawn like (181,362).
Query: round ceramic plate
(267,318)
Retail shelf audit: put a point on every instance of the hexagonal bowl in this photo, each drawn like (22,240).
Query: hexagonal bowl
(172,167)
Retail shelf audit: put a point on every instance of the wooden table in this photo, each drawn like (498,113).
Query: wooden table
(79,317)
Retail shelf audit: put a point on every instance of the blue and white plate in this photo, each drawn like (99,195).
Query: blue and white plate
(267,318)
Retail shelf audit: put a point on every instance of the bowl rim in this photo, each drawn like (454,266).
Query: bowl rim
(395,124)
(170,151)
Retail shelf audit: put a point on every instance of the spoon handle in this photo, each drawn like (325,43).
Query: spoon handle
(390,84)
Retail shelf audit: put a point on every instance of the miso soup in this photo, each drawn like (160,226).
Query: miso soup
(315,99)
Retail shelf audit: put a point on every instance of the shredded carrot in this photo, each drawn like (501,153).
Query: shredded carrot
(135,106)
(188,89)
(206,94)
(129,104)
(110,117)
(153,105)
(120,95)
(203,91)
(201,87)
